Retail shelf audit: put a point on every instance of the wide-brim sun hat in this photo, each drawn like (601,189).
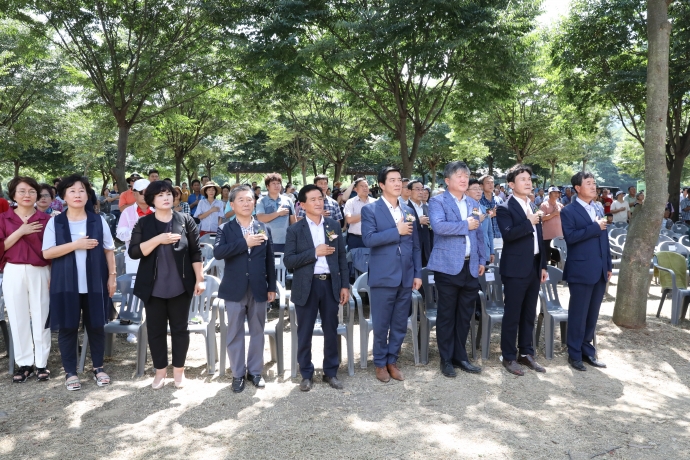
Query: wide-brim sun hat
(210,184)
(554,189)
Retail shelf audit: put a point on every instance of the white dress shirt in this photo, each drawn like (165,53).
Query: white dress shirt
(396,212)
(528,211)
(318,236)
(462,207)
(589,208)
(353,207)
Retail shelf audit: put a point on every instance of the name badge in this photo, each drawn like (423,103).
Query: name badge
(431,279)
(489,276)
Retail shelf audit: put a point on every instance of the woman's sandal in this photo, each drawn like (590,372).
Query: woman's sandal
(72,382)
(102,379)
(42,374)
(23,373)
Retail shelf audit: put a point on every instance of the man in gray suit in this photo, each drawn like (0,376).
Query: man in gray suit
(315,249)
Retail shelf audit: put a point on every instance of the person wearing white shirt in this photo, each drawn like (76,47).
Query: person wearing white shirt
(211,210)
(353,214)
(128,219)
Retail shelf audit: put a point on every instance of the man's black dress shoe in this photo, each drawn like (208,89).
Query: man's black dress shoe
(467,367)
(529,361)
(576,364)
(306,384)
(513,367)
(447,369)
(238,384)
(257,380)
(333,382)
(592,361)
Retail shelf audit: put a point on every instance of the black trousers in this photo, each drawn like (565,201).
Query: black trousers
(320,301)
(457,296)
(520,300)
(68,338)
(354,241)
(160,313)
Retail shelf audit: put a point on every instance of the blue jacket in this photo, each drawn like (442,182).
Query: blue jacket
(448,254)
(242,268)
(487,233)
(394,259)
(589,256)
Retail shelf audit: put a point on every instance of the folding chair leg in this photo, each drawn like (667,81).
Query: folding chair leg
(540,321)
(221,349)
(10,349)
(549,338)
(564,333)
(661,304)
(473,333)
(486,337)
(350,351)
(142,344)
(478,339)
(109,344)
(280,360)
(675,309)
(363,342)
(293,347)
(5,335)
(84,346)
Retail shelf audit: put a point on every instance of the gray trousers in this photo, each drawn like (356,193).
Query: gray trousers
(255,313)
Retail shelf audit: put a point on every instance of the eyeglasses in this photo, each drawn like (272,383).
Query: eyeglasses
(26,192)
(46,195)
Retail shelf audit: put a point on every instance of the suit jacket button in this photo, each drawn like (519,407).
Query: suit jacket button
(247,274)
(250,260)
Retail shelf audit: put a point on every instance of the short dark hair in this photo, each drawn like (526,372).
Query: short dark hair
(156,187)
(608,214)
(167,179)
(383,174)
(320,177)
(225,186)
(153,171)
(579,177)
(30,181)
(455,166)
(302,195)
(235,191)
(412,182)
(196,181)
(205,176)
(274,176)
(484,177)
(633,186)
(56,180)
(69,181)
(472,182)
(405,179)
(516,171)
(256,187)
(358,180)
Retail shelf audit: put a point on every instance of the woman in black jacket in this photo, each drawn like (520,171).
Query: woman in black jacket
(167,242)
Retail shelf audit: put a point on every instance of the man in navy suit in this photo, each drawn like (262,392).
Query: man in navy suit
(457,261)
(395,269)
(315,249)
(587,269)
(249,282)
(523,269)
(421,215)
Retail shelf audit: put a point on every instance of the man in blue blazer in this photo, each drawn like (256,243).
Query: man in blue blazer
(249,282)
(457,260)
(395,269)
(587,269)
(523,269)
(315,249)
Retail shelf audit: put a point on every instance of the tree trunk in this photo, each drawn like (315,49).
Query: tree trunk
(16,168)
(584,165)
(553,172)
(490,163)
(674,179)
(178,165)
(630,310)
(237,178)
(120,163)
(313,165)
(303,168)
(338,171)
(433,178)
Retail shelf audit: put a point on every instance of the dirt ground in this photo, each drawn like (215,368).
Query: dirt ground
(637,408)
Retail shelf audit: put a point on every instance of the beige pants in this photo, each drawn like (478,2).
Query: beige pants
(27,302)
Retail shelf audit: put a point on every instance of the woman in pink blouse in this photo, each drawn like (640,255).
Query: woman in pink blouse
(26,279)
(551,221)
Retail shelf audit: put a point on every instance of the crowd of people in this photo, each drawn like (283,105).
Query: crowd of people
(58,264)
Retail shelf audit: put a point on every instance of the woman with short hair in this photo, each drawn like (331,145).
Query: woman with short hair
(167,245)
(211,210)
(179,205)
(45,199)
(26,279)
(81,248)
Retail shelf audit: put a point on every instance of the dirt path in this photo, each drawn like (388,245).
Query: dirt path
(639,405)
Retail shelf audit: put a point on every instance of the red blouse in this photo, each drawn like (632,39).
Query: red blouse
(28,249)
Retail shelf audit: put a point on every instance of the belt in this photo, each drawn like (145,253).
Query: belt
(323,276)
(467,258)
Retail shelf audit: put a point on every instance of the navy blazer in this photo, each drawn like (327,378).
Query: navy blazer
(300,255)
(589,256)
(517,255)
(423,232)
(242,269)
(394,259)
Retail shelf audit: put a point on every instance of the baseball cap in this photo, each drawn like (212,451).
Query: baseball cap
(140,185)
(620,192)
(554,189)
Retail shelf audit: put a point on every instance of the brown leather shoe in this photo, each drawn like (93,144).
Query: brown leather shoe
(395,372)
(530,362)
(382,374)
(513,367)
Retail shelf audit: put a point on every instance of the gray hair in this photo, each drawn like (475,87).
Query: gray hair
(236,190)
(453,167)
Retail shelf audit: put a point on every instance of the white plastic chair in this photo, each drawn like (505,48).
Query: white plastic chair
(202,319)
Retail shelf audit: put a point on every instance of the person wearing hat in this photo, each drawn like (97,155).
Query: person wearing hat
(551,222)
(129,218)
(619,208)
(209,211)
(127,197)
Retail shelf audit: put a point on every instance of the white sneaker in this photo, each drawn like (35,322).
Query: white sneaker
(131,338)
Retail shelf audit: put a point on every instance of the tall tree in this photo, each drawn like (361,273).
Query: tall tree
(401,59)
(602,52)
(630,309)
(129,51)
